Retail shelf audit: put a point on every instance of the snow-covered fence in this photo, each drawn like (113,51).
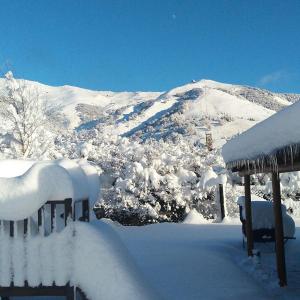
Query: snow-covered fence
(36,230)
(36,253)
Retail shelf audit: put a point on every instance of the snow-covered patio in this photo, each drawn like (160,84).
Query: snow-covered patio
(183,261)
(207,261)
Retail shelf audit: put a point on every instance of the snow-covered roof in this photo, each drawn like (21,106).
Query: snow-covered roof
(276,138)
(28,185)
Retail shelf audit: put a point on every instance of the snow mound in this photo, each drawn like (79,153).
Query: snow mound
(209,179)
(14,167)
(28,185)
(103,267)
(194,217)
(263,215)
(21,196)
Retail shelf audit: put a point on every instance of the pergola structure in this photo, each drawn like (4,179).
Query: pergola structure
(272,146)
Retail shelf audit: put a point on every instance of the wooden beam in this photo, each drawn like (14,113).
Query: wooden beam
(14,291)
(279,236)
(249,232)
(281,168)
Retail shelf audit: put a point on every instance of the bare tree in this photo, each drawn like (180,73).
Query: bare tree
(27,117)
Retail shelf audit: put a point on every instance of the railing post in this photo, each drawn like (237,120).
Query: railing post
(279,236)
(249,232)
(86,210)
(68,210)
(11,228)
(40,220)
(25,226)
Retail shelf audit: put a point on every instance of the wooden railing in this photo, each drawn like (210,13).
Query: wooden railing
(77,211)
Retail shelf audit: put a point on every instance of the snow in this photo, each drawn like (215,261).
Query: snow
(90,256)
(155,111)
(209,179)
(207,261)
(79,180)
(103,267)
(14,167)
(217,102)
(263,139)
(93,180)
(263,215)
(29,185)
(184,261)
(161,261)
(194,217)
(203,99)
(22,196)
(68,97)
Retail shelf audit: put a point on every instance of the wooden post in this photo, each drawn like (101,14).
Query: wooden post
(221,195)
(68,209)
(11,228)
(40,220)
(249,232)
(279,236)
(25,226)
(86,210)
(209,141)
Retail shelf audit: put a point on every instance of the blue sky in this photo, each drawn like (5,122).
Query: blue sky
(152,45)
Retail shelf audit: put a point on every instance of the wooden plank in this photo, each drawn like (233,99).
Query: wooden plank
(249,232)
(11,228)
(86,210)
(36,291)
(279,235)
(39,218)
(25,225)
(55,202)
(281,168)
(68,209)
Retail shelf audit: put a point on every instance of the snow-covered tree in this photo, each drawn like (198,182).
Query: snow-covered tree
(27,118)
(151,181)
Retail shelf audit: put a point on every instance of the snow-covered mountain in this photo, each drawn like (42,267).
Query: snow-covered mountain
(75,101)
(190,110)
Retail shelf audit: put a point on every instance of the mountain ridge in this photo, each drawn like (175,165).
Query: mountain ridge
(190,110)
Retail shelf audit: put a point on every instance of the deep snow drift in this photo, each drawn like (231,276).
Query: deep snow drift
(28,185)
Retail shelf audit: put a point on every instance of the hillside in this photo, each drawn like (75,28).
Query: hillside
(190,110)
(73,100)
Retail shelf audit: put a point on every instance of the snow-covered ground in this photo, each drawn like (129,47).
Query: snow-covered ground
(207,261)
(179,261)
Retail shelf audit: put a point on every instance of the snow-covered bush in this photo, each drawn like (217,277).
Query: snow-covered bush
(150,181)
